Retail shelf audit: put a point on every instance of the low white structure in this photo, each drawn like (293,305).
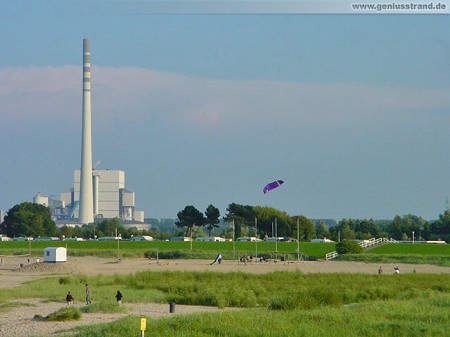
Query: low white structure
(210,238)
(180,238)
(247,238)
(142,238)
(55,254)
(321,240)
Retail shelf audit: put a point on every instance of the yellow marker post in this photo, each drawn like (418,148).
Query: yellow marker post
(143,325)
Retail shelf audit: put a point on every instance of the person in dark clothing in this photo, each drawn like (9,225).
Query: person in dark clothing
(69,299)
(119,297)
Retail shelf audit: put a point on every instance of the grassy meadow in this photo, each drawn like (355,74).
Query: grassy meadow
(426,316)
(274,304)
(437,254)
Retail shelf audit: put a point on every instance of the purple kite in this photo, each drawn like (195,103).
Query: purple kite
(272,185)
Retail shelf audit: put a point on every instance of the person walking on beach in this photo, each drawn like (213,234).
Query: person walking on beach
(119,297)
(69,299)
(88,295)
(380,271)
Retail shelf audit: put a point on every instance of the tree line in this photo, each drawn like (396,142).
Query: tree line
(29,219)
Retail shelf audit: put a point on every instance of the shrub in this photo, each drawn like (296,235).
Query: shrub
(348,247)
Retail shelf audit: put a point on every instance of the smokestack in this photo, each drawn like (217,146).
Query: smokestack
(86,214)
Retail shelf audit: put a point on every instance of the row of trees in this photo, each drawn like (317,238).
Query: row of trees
(247,219)
(29,219)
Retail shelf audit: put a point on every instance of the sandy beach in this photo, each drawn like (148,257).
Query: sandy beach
(20,322)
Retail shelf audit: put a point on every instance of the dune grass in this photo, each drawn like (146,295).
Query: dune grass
(278,290)
(70,313)
(105,306)
(425,316)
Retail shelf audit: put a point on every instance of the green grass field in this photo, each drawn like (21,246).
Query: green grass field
(412,249)
(131,248)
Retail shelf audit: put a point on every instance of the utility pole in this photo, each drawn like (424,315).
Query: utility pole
(298,241)
(256,234)
(276,238)
(234,247)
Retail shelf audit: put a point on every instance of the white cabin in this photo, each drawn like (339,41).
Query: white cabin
(55,254)
(142,238)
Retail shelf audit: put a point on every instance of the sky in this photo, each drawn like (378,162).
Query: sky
(351,111)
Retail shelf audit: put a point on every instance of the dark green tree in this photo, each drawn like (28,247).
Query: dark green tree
(242,216)
(29,219)
(108,228)
(322,230)
(212,218)
(441,227)
(348,247)
(189,217)
(306,227)
(266,217)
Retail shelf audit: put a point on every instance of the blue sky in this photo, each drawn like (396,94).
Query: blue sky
(351,111)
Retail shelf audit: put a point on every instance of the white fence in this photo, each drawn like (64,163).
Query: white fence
(366,245)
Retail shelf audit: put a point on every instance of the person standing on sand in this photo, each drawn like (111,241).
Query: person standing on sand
(119,297)
(69,299)
(380,271)
(88,295)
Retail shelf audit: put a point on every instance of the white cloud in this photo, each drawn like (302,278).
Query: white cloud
(135,93)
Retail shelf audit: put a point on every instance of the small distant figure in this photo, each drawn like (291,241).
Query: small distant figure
(217,260)
(396,270)
(380,271)
(37,260)
(2,261)
(119,297)
(415,271)
(69,299)
(88,295)
(29,260)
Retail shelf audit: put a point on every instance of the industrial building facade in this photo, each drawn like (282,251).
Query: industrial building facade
(110,197)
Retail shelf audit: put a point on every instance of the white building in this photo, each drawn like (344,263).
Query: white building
(55,254)
(142,238)
(40,199)
(210,238)
(111,198)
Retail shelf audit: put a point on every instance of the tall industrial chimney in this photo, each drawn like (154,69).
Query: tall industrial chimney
(86,214)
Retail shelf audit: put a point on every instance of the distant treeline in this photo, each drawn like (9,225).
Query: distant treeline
(29,219)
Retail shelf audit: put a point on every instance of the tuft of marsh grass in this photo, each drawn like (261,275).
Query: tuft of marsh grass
(70,313)
(9,306)
(108,307)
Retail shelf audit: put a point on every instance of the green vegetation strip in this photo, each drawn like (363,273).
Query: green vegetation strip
(424,316)
(278,290)
(443,261)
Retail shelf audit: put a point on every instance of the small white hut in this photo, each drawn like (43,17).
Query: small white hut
(55,254)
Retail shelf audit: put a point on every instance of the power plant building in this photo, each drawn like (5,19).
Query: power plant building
(96,194)
(110,197)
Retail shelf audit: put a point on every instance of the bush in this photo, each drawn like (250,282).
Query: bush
(348,247)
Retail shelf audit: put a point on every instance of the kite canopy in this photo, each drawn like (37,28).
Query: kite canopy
(272,185)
